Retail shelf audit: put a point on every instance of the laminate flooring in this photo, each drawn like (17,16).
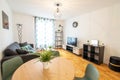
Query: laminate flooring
(80,66)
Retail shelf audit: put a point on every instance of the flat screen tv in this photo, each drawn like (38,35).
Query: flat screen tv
(72,41)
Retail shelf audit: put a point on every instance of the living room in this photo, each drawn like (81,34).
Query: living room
(99,20)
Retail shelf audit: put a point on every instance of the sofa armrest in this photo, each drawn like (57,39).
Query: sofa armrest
(6,58)
(25,57)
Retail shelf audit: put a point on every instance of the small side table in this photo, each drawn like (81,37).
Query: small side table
(114,63)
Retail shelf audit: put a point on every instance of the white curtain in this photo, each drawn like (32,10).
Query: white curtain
(44,32)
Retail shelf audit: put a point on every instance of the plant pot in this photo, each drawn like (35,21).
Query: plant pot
(45,65)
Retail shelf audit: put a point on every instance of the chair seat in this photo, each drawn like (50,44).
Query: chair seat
(91,73)
(55,53)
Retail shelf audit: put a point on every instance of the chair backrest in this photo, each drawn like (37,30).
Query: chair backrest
(55,53)
(91,72)
(9,66)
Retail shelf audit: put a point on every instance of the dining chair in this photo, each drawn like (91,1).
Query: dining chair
(9,67)
(55,53)
(91,73)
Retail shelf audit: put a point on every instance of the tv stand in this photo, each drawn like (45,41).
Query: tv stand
(73,49)
(69,48)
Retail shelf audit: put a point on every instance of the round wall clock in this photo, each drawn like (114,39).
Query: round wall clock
(75,24)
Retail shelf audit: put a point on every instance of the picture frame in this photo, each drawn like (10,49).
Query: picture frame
(5,20)
(94,42)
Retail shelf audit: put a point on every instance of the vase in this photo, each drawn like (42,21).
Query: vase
(45,65)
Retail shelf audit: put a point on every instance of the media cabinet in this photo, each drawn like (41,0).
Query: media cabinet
(72,49)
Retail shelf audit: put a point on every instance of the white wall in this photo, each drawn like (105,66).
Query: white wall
(103,25)
(28,30)
(59,22)
(6,35)
(27,22)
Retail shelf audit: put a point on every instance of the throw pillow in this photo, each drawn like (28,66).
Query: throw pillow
(20,51)
(28,48)
(9,52)
(23,44)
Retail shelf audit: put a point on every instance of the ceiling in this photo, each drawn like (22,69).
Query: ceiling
(68,9)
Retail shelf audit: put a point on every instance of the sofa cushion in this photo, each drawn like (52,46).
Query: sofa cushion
(14,46)
(9,52)
(20,51)
(11,49)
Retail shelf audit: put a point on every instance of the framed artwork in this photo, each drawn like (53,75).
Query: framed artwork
(5,20)
(94,42)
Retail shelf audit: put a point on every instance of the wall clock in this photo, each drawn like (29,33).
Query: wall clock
(75,24)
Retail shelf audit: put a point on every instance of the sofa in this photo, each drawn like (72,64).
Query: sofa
(14,50)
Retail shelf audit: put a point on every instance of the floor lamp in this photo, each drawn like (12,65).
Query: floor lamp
(19,29)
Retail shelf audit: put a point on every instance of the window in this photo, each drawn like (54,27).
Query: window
(44,32)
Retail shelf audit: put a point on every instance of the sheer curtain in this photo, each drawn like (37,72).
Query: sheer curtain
(44,32)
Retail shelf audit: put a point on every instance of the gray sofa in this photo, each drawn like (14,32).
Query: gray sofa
(14,50)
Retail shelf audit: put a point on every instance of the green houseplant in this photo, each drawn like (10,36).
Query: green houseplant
(45,57)
(50,47)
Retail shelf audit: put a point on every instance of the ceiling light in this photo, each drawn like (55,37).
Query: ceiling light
(57,14)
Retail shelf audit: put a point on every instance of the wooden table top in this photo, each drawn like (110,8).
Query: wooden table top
(59,69)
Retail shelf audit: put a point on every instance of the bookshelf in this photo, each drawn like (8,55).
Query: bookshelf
(93,53)
(58,39)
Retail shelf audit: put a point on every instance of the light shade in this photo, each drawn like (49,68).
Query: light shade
(57,14)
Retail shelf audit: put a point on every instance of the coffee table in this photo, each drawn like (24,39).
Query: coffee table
(59,69)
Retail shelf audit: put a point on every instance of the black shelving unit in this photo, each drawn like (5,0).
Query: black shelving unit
(93,53)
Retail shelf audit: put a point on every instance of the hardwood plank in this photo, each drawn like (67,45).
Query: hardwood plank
(80,66)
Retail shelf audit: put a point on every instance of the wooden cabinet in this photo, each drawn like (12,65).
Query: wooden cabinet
(93,53)
(58,39)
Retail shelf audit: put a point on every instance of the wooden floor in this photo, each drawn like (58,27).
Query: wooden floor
(80,66)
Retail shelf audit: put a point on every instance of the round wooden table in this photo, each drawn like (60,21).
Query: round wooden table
(59,69)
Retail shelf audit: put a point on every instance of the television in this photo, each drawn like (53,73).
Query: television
(72,41)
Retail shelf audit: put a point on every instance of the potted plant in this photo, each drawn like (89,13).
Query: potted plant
(50,47)
(45,57)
